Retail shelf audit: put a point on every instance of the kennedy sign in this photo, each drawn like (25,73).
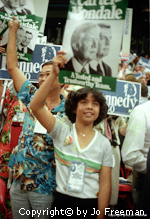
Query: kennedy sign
(41,54)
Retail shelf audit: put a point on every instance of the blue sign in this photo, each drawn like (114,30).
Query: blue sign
(124,99)
(41,54)
(144,62)
(139,75)
(131,58)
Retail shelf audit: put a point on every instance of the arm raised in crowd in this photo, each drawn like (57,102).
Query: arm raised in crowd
(12,61)
(44,116)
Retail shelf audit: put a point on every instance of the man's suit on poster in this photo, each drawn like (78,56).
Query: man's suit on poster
(29,51)
(22,11)
(2,9)
(69,67)
(107,70)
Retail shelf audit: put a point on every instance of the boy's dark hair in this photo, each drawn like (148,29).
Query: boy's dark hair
(75,96)
(47,63)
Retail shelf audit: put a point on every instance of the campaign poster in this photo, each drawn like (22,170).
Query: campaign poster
(124,99)
(34,8)
(93,36)
(41,9)
(27,34)
(131,58)
(41,54)
(17,7)
(144,62)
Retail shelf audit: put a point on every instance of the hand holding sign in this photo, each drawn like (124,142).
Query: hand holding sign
(14,24)
(59,62)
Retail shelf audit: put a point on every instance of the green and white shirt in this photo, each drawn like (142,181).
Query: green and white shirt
(67,149)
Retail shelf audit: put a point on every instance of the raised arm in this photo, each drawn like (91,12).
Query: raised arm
(44,116)
(12,61)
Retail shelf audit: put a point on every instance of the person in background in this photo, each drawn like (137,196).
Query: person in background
(144,91)
(33,162)
(147,76)
(11,107)
(137,69)
(120,71)
(135,149)
(112,127)
(130,77)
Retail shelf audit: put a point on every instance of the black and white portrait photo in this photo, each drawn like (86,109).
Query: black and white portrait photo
(84,44)
(92,47)
(17,7)
(25,40)
(23,46)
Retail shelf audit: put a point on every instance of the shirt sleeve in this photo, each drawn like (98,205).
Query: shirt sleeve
(133,145)
(59,131)
(26,92)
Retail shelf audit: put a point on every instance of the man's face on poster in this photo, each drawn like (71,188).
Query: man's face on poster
(104,42)
(22,2)
(88,43)
(14,4)
(20,35)
(27,39)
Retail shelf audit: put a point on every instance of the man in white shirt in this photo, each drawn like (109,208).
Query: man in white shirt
(84,43)
(136,145)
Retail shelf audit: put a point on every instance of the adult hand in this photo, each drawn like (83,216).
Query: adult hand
(59,62)
(14,24)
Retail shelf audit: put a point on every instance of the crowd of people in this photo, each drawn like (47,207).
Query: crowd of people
(69,150)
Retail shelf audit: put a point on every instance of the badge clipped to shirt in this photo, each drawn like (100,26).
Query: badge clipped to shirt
(38,128)
(76,176)
(20,116)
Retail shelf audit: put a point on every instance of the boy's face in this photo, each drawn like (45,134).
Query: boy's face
(87,110)
(46,70)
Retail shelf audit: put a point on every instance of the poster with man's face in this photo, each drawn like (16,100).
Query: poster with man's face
(26,37)
(31,15)
(97,42)
(93,36)
(17,7)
